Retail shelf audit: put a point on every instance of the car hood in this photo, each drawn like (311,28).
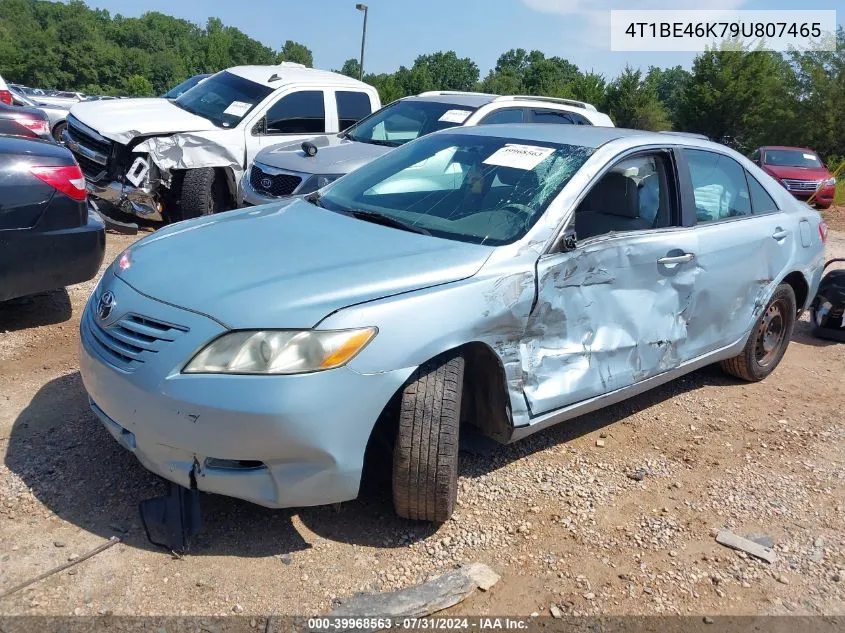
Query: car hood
(798,173)
(335,155)
(289,265)
(122,120)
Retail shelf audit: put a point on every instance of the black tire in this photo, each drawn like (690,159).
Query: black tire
(57,131)
(202,193)
(768,340)
(425,458)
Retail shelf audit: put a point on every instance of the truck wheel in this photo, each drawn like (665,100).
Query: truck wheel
(202,193)
(425,459)
(769,338)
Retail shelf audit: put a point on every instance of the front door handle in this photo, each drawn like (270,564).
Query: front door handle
(677,259)
(779,234)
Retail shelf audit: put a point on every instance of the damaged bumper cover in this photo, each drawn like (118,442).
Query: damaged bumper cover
(139,201)
(276,441)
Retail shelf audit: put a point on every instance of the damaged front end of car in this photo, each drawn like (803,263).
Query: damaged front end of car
(141,175)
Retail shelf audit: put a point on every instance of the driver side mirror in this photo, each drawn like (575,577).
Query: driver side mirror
(260,127)
(569,240)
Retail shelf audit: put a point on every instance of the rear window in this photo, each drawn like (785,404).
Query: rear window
(351,107)
(791,158)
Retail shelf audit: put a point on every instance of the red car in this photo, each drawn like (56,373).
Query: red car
(800,170)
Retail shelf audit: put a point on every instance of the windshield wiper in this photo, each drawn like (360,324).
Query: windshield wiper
(385,220)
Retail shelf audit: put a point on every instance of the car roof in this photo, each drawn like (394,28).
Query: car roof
(592,136)
(468,100)
(289,73)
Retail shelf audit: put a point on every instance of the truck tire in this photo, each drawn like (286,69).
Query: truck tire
(769,338)
(57,131)
(425,458)
(202,193)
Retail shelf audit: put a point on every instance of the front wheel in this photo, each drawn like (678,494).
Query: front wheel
(769,338)
(203,193)
(425,458)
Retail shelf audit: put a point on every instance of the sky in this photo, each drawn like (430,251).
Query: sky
(400,30)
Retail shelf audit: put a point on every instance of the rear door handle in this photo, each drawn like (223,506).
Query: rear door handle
(780,234)
(677,259)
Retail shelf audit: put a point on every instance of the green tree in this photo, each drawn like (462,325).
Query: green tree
(351,68)
(296,52)
(742,98)
(137,86)
(670,84)
(443,71)
(590,87)
(633,103)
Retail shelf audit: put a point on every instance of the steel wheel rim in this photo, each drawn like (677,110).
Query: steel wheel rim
(770,334)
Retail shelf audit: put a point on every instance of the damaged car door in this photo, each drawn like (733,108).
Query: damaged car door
(612,307)
(744,241)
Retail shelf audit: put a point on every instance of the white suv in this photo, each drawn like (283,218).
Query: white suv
(288,169)
(180,158)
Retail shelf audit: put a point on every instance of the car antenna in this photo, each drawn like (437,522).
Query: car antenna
(274,77)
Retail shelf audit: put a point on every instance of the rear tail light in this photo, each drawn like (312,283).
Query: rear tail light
(823,231)
(65,178)
(6,97)
(39,126)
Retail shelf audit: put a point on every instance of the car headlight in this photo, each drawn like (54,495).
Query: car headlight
(279,351)
(317,181)
(829,182)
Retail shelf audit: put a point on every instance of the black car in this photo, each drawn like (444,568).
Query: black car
(48,237)
(21,121)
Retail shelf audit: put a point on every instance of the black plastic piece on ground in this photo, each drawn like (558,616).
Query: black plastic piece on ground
(173,520)
(832,289)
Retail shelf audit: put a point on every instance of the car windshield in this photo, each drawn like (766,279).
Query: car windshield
(406,120)
(791,158)
(472,188)
(224,98)
(183,87)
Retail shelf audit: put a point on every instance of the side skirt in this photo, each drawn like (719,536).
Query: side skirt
(551,418)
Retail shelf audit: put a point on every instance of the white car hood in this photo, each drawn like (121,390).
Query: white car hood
(122,120)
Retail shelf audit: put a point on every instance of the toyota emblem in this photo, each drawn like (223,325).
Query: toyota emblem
(266,183)
(105,305)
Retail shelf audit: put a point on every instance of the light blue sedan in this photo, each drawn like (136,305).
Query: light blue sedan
(507,277)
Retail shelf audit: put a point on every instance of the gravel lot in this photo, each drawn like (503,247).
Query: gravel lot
(614,513)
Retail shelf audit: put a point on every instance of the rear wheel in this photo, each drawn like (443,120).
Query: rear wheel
(769,338)
(203,193)
(425,459)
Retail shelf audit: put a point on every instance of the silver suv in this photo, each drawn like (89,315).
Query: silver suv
(300,168)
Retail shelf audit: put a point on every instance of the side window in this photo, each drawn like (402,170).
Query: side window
(761,201)
(539,115)
(298,113)
(506,115)
(351,107)
(637,194)
(719,186)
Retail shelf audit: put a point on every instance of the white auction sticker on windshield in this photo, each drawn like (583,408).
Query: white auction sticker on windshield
(809,157)
(238,108)
(519,156)
(455,116)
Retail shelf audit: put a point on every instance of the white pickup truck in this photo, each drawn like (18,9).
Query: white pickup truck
(164,159)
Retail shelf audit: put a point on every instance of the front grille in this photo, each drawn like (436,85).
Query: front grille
(129,341)
(93,171)
(273,184)
(78,134)
(801,186)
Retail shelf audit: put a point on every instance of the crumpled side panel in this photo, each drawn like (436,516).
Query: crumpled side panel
(192,151)
(606,317)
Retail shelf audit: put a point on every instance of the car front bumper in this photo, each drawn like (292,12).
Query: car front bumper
(277,441)
(33,261)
